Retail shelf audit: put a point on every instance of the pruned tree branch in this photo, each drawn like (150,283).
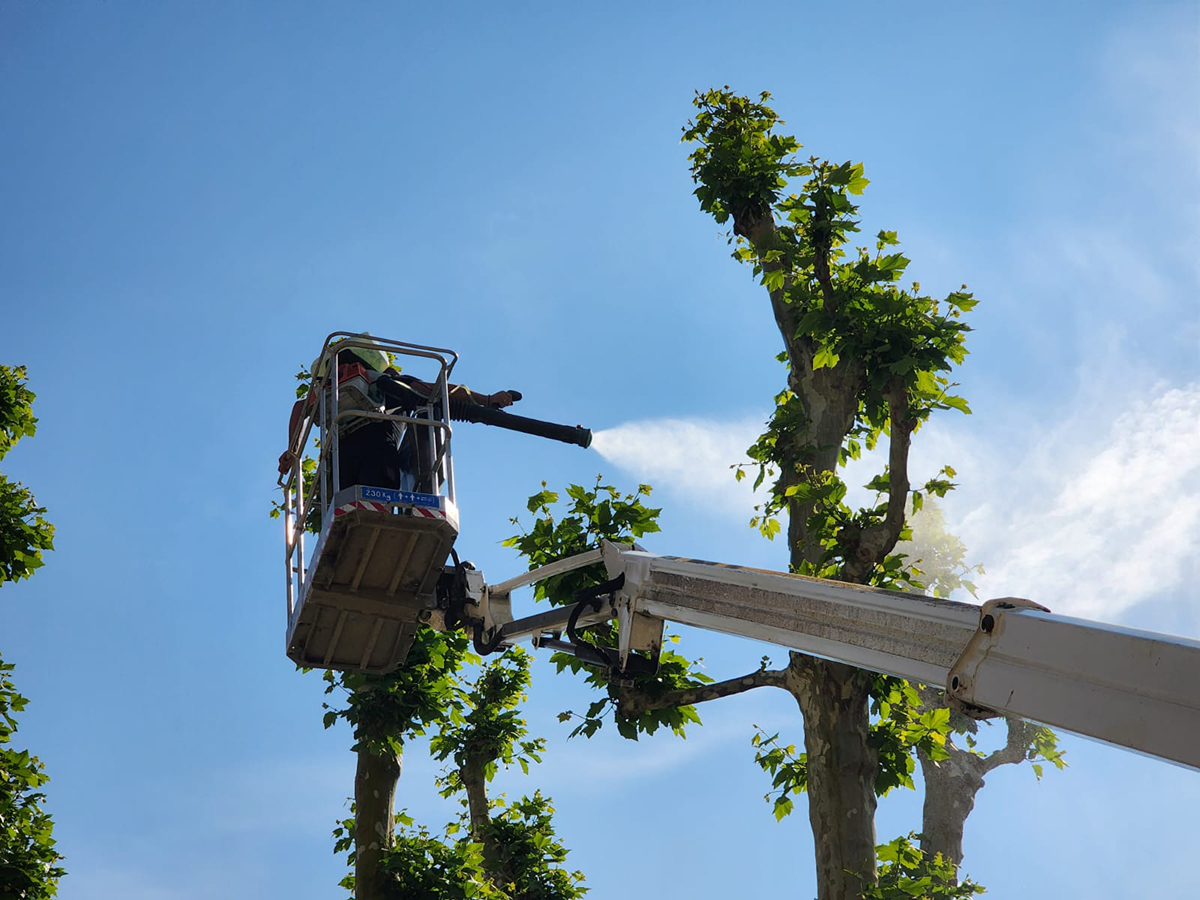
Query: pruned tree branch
(823,247)
(632,703)
(879,540)
(899,441)
(763,236)
(1015,749)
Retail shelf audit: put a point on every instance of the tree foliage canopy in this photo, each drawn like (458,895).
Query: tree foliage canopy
(386,710)
(29,867)
(24,531)
(589,516)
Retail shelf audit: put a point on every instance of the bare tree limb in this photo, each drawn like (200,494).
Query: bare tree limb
(374,835)
(899,441)
(878,541)
(951,784)
(1015,749)
(471,771)
(632,703)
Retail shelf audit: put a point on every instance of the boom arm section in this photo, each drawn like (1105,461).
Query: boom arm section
(1010,656)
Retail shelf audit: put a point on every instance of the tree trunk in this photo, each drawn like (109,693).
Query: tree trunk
(950,789)
(951,784)
(833,699)
(374,830)
(471,771)
(475,784)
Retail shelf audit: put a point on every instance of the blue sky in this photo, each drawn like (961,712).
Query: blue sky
(193,195)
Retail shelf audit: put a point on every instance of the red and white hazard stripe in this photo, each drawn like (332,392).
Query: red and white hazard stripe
(372,505)
(361,504)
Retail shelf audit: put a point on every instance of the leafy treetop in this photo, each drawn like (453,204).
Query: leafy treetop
(497,850)
(866,355)
(24,531)
(386,710)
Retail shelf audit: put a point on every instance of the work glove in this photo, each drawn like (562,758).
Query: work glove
(501,399)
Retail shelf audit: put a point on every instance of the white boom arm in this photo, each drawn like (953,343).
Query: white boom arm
(1132,688)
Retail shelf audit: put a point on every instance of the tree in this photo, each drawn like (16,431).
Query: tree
(909,873)
(522,859)
(29,867)
(866,359)
(24,532)
(641,704)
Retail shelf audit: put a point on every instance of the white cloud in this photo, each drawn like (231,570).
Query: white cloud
(1090,507)
(1095,515)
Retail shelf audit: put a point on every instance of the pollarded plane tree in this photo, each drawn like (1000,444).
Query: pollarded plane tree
(868,361)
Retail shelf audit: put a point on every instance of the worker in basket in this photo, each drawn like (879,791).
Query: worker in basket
(380,453)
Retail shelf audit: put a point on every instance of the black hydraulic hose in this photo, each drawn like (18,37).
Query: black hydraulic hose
(487,415)
(482,647)
(589,598)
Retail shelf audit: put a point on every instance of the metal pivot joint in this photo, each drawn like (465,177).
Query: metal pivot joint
(960,684)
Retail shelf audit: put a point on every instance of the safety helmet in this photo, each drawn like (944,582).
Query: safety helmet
(371,357)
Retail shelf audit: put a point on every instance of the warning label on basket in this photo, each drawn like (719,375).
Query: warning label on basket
(409,498)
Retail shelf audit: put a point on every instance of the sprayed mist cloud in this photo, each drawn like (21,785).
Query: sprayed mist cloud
(690,458)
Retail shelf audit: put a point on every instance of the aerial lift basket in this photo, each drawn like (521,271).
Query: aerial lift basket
(356,602)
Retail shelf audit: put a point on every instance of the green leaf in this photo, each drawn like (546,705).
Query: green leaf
(825,358)
(857,182)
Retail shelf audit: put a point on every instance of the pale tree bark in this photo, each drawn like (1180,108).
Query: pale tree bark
(952,784)
(833,700)
(374,830)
